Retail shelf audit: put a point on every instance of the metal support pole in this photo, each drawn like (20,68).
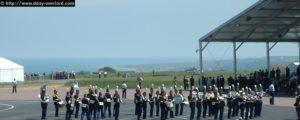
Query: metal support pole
(268,58)
(201,64)
(234,61)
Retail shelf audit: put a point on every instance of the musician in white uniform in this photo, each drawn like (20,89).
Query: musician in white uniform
(44,99)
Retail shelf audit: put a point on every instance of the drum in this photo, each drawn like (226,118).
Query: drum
(170,105)
(61,104)
(178,99)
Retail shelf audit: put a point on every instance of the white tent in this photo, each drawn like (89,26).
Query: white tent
(10,71)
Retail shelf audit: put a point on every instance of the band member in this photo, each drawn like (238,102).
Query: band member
(182,104)
(44,99)
(199,105)
(156,97)
(85,107)
(107,103)
(205,102)
(215,104)
(116,105)
(250,104)
(242,100)
(230,102)
(221,104)
(139,103)
(177,105)
(192,102)
(171,108)
(259,102)
(135,94)
(297,104)
(236,101)
(163,107)
(55,101)
(92,106)
(69,106)
(100,105)
(77,103)
(210,106)
(145,101)
(151,101)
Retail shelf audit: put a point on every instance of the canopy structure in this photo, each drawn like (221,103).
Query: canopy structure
(265,21)
(10,71)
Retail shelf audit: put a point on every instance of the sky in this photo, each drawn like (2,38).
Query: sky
(124,29)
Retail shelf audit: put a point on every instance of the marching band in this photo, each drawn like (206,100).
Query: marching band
(243,102)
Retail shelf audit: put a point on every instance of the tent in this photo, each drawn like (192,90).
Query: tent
(10,71)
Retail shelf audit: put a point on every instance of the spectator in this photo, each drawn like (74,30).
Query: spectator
(140,80)
(278,74)
(124,88)
(14,84)
(287,72)
(185,83)
(105,74)
(192,81)
(272,93)
(99,74)
(175,81)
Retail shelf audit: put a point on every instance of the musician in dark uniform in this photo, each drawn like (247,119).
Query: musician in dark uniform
(215,103)
(116,105)
(199,105)
(170,99)
(55,101)
(107,103)
(192,102)
(163,106)
(205,102)
(210,106)
(77,105)
(100,105)
(259,102)
(156,97)
(69,106)
(92,105)
(85,107)
(182,104)
(221,103)
(151,101)
(145,101)
(242,101)
(297,104)
(176,105)
(236,101)
(135,94)
(139,104)
(44,103)
(230,102)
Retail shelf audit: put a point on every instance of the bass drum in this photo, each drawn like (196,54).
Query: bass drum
(170,105)
(61,104)
(178,99)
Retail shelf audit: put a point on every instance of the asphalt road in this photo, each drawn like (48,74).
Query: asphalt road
(31,110)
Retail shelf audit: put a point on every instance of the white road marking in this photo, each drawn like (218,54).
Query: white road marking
(10,107)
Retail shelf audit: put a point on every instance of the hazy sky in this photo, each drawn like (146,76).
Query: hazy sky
(124,29)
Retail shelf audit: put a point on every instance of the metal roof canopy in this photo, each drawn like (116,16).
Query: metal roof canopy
(265,21)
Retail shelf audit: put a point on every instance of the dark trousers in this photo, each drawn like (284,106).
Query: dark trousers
(204,110)
(124,93)
(221,109)
(139,111)
(251,111)
(163,113)
(56,109)
(116,111)
(92,111)
(85,112)
(44,111)
(192,113)
(237,108)
(258,108)
(176,109)
(242,112)
(107,106)
(171,114)
(157,109)
(144,111)
(68,113)
(210,109)
(230,113)
(199,110)
(100,112)
(14,89)
(272,97)
(76,111)
(181,108)
(216,110)
(136,107)
(151,108)
(247,111)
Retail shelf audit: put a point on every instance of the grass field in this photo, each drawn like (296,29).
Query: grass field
(115,79)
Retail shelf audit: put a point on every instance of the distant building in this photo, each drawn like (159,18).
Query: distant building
(10,71)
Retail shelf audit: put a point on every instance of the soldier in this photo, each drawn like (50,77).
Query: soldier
(230,103)
(139,102)
(85,107)
(171,108)
(145,101)
(55,101)
(107,103)
(205,102)
(156,97)
(100,105)
(44,103)
(93,104)
(151,101)
(192,102)
(76,97)
(199,105)
(69,106)
(117,104)
(163,107)
(182,104)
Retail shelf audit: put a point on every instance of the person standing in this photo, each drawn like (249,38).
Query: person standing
(93,105)
(116,105)
(297,104)
(69,105)
(14,85)
(100,105)
(139,103)
(107,103)
(124,88)
(99,74)
(287,72)
(140,80)
(192,81)
(85,107)
(175,81)
(156,97)
(151,101)
(163,105)
(44,103)
(230,103)
(199,105)
(177,104)
(55,101)
(77,105)
(272,93)
(145,101)
(205,102)
(105,74)
(181,104)
(192,103)
(171,109)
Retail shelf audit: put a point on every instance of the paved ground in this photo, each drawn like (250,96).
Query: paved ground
(31,110)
